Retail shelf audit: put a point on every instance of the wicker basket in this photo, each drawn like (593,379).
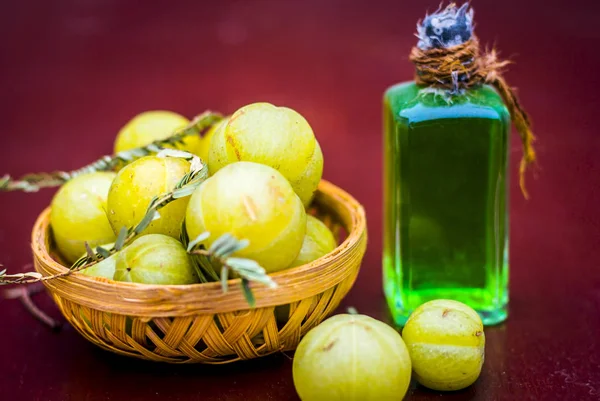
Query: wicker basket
(198,323)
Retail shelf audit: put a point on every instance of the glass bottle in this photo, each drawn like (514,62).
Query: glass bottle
(445,200)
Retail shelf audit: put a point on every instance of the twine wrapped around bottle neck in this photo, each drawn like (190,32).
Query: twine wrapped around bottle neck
(463,67)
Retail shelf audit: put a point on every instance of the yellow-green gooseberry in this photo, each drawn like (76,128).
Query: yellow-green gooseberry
(79,214)
(276,136)
(351,357)
(155,259)
(446,343)
(151,126)
(254,202)
(105,268)
(135,186)
(318,241)
(203,147)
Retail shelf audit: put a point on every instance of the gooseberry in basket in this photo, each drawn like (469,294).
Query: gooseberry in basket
(318,241)
(105,268)
(151,126)
(135,186)
(155,259)
(254,202)
(204,145)
(446,343)
(351,357)
(276,136)
(79,214)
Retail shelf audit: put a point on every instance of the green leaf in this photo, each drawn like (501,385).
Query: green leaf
(244,264)
(200,238)
(175,153)
(231,247)
(184,191)
(248,293)
(152,204)
(196,264)
(209,267)
(148,218)
(90,254)
(103,252)
(183,235)
(251,270)
(220,241)
(121,238)
(224,278)
(80,262)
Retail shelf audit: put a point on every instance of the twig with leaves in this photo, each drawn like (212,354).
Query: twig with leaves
(219,257)
(185,187)
(34,182)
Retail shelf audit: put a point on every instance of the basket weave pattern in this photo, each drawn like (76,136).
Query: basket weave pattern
(199,323)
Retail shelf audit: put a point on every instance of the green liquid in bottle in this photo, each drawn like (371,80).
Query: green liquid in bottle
(445,219)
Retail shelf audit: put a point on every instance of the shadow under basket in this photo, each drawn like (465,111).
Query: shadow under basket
(199,323)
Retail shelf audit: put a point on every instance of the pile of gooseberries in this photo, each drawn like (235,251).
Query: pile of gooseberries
(264,164)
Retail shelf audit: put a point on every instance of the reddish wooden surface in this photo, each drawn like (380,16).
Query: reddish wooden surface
(72,72)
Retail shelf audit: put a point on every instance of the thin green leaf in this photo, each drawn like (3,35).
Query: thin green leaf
(209,267)
(224,278)
(3,272)
(198,268)
(148,218)
(251,270)
(200,238)
(152,203)
(248,293)
(121,238)
(223,239)
(231,247)
(88,250)
(222,244)
(183,235)
(175,153)
(183,192)
(244,264)
(103,252)
(81,262)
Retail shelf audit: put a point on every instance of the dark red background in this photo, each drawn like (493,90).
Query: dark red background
(72,72)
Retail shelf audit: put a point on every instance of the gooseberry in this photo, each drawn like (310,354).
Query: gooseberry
(276,136)
(105,268)
(79,214)
(318,242)
(150,126)
(446,343)
(351,357)
(254,202)
(203,147)
(155,259)
(135,186)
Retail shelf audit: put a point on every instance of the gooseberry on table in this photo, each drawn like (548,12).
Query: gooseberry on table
(137,184)
(351,357)
(78,214)
(446,343)
(254,202)
(275,136)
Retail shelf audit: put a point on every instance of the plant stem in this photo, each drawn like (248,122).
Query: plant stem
(23,294)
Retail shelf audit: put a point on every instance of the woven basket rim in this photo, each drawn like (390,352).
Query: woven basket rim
(136,299)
